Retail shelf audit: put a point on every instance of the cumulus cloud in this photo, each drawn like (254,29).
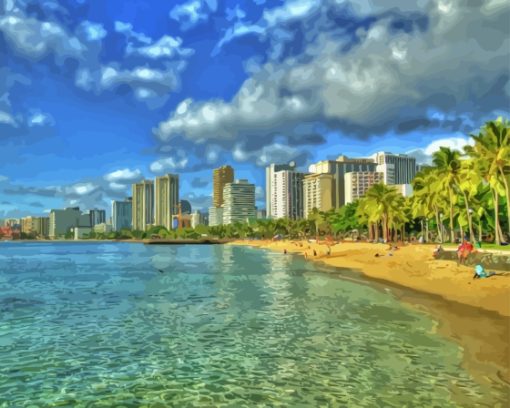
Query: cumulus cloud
(40,119)
(389,80)
(168,164)
(165,47)
(92,31)
(35,39)
(124,175)
(130,33)
(193,12)
(424,156)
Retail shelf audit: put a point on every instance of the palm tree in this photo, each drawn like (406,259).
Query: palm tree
(492,152)
(447,162)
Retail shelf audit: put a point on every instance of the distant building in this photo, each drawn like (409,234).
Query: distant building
(318,192)
(196,219)
(185,207)
(122,215)
(404,166)
(102,228)
(221,176)
(185,221)
(37,226)
(405,189)
(338,168)
(61,221)
(166,199)
(97,216)
(357,183)
(271,192)
(261,214)
(287,194)
(142,205)
(84,220)
(239,202)
(215,216)
(81,232)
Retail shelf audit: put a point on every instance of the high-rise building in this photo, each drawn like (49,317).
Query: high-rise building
(122,214)
(405,189)
(27,225)
(142,205)
(61,221)
(318,192)
(287,194)
(97,217)
(404,166)
(215,216)
(358,182)
(239,202)
(221,176)
(41,226)
(166,199)
(338,168)
(270,184)
(196,219)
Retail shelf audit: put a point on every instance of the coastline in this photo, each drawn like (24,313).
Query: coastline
(481,329)
(411,266)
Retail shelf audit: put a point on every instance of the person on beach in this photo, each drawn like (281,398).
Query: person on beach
(480,272)
(285,251)
(306,255)
(463,251)
(437,251)
(314,252)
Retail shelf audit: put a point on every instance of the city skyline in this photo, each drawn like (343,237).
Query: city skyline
(98,96)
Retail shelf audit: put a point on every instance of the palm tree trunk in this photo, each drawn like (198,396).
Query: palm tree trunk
(469,217)
(507,192)
(385,229)
(439,225)
(452,230)
(426,230)
(480,231)
(377,231)
(497,227)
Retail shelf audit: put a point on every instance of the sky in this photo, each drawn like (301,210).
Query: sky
(96,95)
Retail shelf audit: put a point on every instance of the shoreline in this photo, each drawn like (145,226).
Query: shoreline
(482,333)
(411,266)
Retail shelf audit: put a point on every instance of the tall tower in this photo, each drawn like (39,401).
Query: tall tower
(167,199)
(271,193)
(221,176)
(143,204)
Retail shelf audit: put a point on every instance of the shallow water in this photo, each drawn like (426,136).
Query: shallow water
(132,325)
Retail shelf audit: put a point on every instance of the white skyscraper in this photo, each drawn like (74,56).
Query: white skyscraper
(397,168)
(238,202)
(270,192)
(287,194)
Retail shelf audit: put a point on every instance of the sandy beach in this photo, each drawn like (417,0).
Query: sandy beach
(412,266)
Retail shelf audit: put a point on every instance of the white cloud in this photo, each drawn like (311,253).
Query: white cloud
(169,163)
(123,175)
(193,12)
(127,30)
(36,39)
(389,81)
(81,188)
(424,155)
(40,119)
(7,119)
(92,31)
(3,178)
(118,186)
(165,47)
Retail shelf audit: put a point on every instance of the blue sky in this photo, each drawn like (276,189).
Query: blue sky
(95,95)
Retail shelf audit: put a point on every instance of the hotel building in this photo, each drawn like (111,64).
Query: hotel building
(142,204)
(398,168)
(61,221)
(357,183)
(271,192)
(166,199)
(122,214)
(338,168)
(318,192)
(239,202)
(287,194)
(221,176)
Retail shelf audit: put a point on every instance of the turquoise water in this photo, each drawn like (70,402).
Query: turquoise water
(128,325)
